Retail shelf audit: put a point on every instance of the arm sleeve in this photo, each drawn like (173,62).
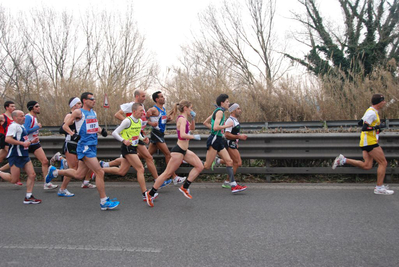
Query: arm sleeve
(12,130)
(117,132)
(28,122)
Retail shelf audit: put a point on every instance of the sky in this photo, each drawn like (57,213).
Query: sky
(166,24)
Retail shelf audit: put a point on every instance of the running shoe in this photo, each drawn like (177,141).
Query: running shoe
(18,183)
(153,198)
(226,184)
(32,200)
(56,157)
(167,182)
(50,176)
(93,176)
(149,199)
(65,193)
(238,188)
(215,163)
(89,185)
(383,191)
(178,180)
(186,192)
(338,161)
(109,205)
(102,163)
(49,186)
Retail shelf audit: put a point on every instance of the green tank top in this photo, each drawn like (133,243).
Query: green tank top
(218,133)
(133,132)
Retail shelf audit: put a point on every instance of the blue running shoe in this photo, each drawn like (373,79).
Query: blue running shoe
(50,176)
(167,182)
(102,163)
(65,193)
(109,205)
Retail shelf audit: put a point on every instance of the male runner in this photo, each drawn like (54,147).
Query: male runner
(86,134)
(158,119)
(18,155)
(215,141)
(32,126)
(369,136)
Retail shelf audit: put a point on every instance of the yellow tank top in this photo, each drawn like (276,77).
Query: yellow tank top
(133,132)
(368,138)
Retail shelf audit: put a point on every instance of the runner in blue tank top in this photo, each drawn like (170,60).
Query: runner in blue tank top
(158,119)
(87,128)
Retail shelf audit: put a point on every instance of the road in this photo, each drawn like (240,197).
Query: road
(267,225)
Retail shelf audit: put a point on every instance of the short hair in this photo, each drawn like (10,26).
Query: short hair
(85,95)
(137,92)
(15,113)
(377,98)
(8,103)
(156,95)
(31,104)
(135,106)
(221,98)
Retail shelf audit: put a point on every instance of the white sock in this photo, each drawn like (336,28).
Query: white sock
(233,183)
(55,173)
(103,200)
(86,182)
(28,195)
(106,165)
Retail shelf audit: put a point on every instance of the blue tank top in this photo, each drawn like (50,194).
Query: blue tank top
(87,128)
(163,119)
(20,135)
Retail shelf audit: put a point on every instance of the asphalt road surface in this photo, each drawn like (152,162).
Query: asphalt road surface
(267,225)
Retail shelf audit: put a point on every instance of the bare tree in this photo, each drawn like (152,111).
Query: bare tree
(247,39)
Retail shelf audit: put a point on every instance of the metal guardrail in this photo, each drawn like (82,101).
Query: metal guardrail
(256,126)
(298,146)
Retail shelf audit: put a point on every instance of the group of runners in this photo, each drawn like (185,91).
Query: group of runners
(20,136)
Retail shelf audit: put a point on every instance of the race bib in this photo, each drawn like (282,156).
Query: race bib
(135,140)
(164,119)
(91,126)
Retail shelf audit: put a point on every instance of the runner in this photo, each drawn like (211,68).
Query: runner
(371,128)
(18,155)
(69,150)
(158,119)
(128,132)
(232,136)
(179,153)
(6,119)
(86,135)
(32,126)
(215,141)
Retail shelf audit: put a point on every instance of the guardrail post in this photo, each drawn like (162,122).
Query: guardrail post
(268,176)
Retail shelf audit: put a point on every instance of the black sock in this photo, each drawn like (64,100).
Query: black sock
(186,184)
(153,191)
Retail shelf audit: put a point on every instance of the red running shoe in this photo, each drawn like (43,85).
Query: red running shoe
(238,188)
(32,200)
(186,192)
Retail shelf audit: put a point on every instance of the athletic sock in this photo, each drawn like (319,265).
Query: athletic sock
(85,182)
(153,191)
(28,195)
(230,173)
(106,165)
(186,184)
(103,200)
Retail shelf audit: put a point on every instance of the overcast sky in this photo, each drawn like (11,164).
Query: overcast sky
(167,24)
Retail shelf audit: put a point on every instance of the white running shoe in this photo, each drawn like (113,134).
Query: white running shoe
(56,157)
(383,191)
(178,180)
(49,186)
(89,185)
(339,161)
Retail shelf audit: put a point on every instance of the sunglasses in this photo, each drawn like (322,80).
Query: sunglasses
(92,99)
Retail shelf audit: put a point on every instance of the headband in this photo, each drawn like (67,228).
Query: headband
(233,107)
(74,102)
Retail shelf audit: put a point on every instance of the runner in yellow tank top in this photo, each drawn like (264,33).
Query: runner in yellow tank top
(370,147)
